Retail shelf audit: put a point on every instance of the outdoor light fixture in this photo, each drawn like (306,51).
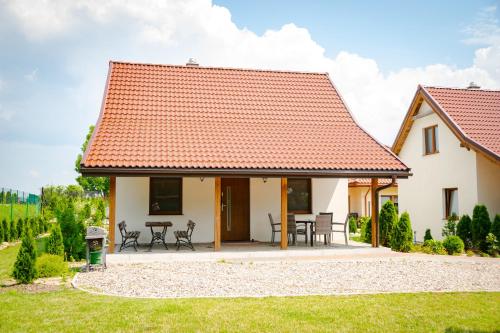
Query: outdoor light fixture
(264,179)
(202,179)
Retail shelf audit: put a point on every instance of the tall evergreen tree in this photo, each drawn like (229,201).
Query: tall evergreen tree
(6,230)
(13,231)
(388,219)
(1,232)
(480,227)
(24,267)
(20,228)
(55,242)
(402,235)
(464,230)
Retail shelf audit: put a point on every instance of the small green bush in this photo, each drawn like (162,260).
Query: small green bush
(492,244)
(1,232)
(20,228)
(453,245)
(495,227)
(450,226)
(402,234)
(366,229)
(24,267)
(48,265)
(13,231)
(388,218)
(427,235)
(480,227)
(464,230)
(6,230)
(433,246)
(55,244)
(34,226)
(353,228)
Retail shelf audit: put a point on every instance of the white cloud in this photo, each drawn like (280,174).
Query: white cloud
(173,31)
(32,76)
(5,115)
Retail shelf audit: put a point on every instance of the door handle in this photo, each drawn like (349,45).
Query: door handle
(228,213)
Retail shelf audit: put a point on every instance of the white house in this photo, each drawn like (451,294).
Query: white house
(451,139)
(225,147)
(360,195)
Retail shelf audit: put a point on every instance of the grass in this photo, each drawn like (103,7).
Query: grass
(76,311)
(18,211)
(8,257)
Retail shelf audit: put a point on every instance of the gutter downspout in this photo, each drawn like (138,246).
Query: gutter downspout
(366,206)
(377,190)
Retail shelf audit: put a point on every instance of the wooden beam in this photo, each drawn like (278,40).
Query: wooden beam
(284,212)
(217,215)
(112,214)
(375,230)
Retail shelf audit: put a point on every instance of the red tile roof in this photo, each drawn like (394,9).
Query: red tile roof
(475,112)
(367,182)
(163,116)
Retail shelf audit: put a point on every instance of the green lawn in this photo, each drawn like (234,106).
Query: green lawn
(8,257)
(69,310)
(18,211)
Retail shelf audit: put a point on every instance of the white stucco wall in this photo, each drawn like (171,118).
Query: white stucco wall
(132,200)
(488,184)
(453,167)
(357,197)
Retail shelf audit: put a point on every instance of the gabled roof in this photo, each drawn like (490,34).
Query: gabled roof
(164,118)
(366,182)
(473,115)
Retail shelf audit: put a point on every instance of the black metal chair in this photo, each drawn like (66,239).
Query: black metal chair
(183,237)
(274,228)
(346,230)
(293,231)
(129,238)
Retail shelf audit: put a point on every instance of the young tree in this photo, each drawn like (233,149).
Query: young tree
(495,227)
(24,267)
(388,218)
(20,228)
(480,226)
(6,230)
(13,231)
(33,226)
(55,243)
(100,184)
(464,231)
(366,229)
(1,232)
(402,235)
(72,232)
(427,235)
(450,226)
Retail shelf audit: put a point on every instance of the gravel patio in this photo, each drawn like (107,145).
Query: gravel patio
(295,277)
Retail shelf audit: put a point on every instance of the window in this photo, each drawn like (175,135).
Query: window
(165,196)
(299,196)
(431,140)
(450,202)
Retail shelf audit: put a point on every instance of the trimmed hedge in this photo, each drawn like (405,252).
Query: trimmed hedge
(453,245)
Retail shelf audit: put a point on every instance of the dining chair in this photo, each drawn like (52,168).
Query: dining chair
(323,226)
(346,229)
(292,229)
(274,227)
(330,214)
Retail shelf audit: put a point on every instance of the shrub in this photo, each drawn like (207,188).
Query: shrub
(72,232)
(492,244)
(353,228)
(366,229)
(402,235)
(24,268)
(464,231)
(55,244)
(1,232)
(20,228)
(434,247)
(453,245)
(427,235)
(480,227)
(6,230)
(495,227)
(388,218)
(34,226)
(450,226)
(48,265)
(13,231)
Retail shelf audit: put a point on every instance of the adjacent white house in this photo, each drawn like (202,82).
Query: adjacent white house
(451,139)
(225,148)
(360,195)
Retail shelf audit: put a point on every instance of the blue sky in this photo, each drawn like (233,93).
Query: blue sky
(54,59)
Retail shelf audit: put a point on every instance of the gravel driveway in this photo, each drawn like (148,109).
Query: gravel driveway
(295,277)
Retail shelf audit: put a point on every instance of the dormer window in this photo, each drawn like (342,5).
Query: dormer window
(431,140)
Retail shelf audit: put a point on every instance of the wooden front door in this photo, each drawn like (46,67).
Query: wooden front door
(235,209)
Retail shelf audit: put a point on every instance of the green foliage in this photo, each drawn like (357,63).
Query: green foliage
(495,227)
(24,267)
(48,265)
(72,232)
(6,230)
(366,229)
(453,245)
(388,219)
(402,234)
(450,226)
(464,231)
(13,231)
(492,245)
(55,243)
(20,228)
(34,226)
(1,232)
(432,246)
(100,184)
(427,235)
(353,228)
(86,212)
(480,227)
(41,225)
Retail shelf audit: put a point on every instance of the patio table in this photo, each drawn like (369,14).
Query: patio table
(311,227)
(158,236)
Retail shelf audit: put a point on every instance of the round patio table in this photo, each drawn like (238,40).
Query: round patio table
(158,236)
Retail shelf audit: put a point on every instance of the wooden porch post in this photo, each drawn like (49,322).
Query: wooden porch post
(112,214)
(217,214)
(374,205)
(284,212)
